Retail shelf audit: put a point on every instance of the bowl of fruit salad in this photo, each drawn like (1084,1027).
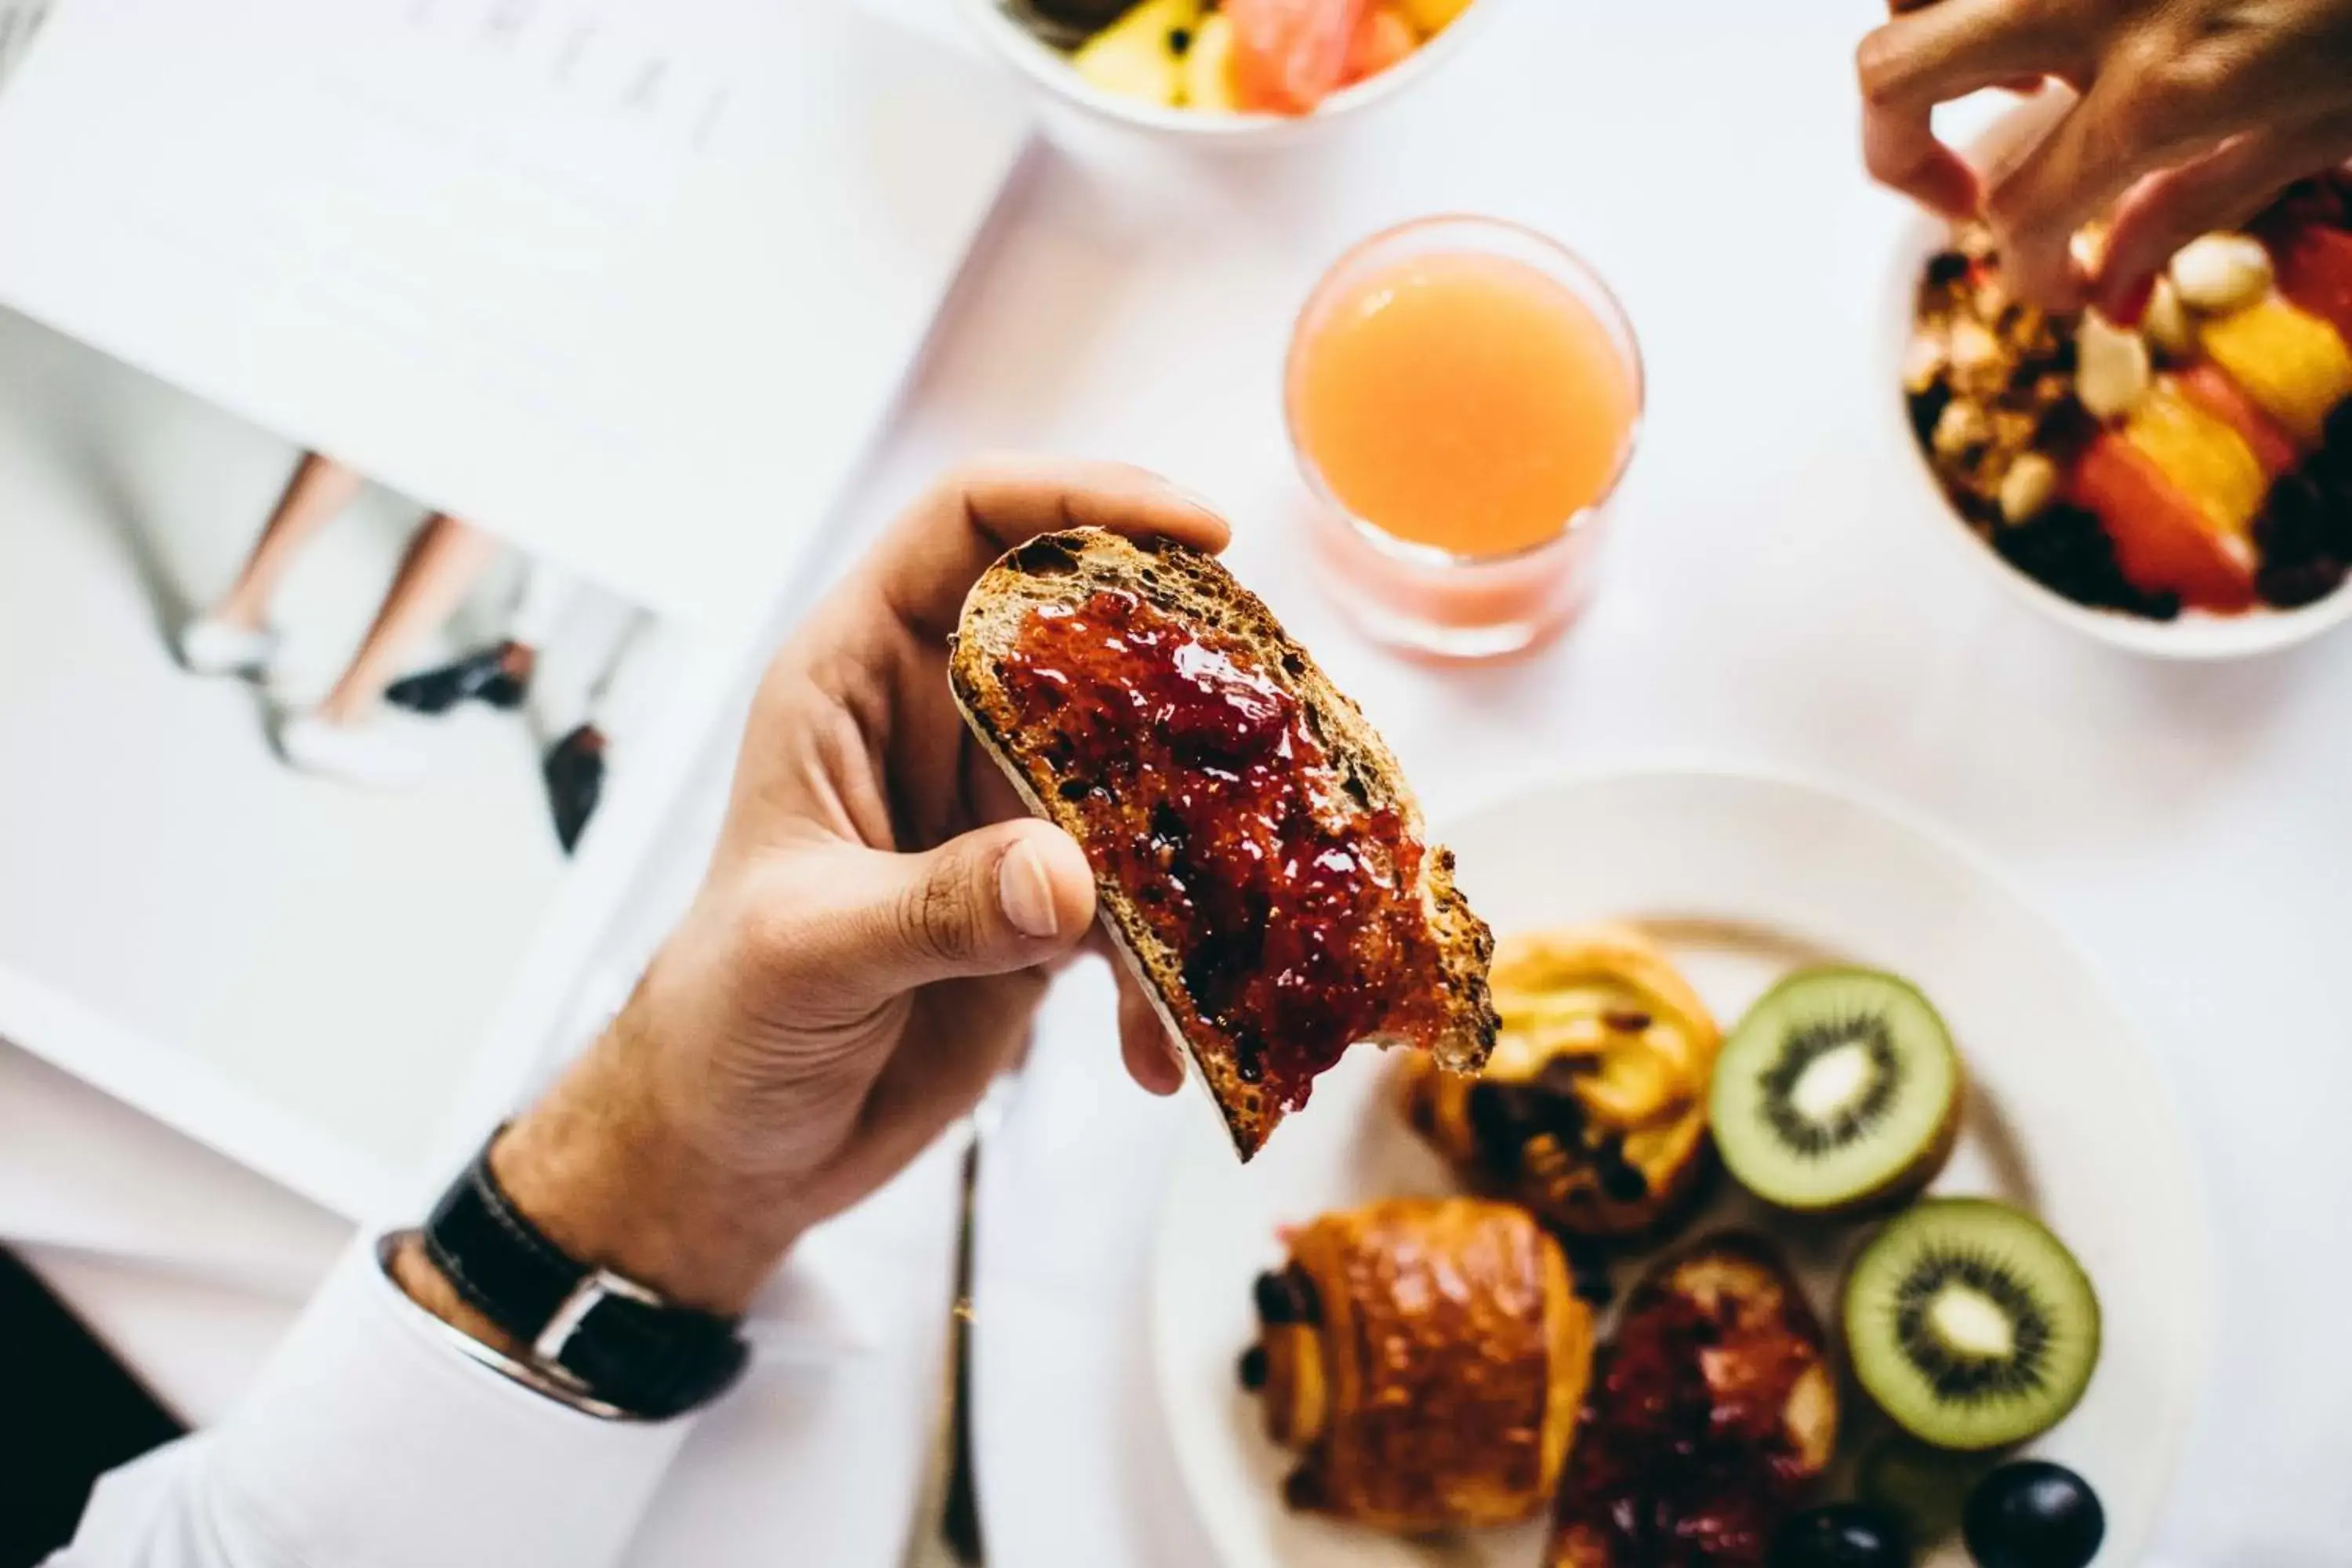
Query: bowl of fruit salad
(1232,71)
(2179,486)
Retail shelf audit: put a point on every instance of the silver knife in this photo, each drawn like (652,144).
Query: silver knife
(946,1528)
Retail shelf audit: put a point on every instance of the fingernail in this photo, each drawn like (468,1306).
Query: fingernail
(1026,892)
(1196,500)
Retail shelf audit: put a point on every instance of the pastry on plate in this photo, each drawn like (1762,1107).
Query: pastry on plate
(1260,861)
(1591,1110)
(1425,1358)
(1712,1408)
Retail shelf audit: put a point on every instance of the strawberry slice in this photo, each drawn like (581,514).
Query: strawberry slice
(2163,540)
(1291,55)
(2210,388)
(2314,265)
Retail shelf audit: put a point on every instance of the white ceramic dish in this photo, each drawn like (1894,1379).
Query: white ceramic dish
(1742,877)
(2195,635)
(1049,69)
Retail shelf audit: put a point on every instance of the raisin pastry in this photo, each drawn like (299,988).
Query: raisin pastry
(1426,1358)
(1592,1109)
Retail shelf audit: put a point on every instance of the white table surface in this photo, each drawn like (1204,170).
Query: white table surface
(1777,597)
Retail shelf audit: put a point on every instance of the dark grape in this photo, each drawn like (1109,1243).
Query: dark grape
(2033,1514)
(1841,1535)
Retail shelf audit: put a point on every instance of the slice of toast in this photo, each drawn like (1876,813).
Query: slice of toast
(1420,954)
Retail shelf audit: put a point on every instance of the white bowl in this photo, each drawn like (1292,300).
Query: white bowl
(2197,634)
(1050,69)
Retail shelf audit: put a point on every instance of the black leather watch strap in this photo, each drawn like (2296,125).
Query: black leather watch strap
(613,1337)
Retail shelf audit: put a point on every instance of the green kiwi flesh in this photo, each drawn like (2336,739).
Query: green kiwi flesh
(1970,1324)
(1841,1088)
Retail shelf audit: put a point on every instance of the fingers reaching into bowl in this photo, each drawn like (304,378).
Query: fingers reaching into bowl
(2190,117)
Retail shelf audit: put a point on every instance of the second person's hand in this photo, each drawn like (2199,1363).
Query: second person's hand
(2192,115)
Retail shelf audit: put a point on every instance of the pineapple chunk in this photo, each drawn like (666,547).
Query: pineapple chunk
(2291,363)
(1209,68)
(1433,16)
(2207,461)
(1139,55)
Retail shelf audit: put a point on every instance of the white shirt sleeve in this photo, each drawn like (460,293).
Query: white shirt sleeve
(371,1442)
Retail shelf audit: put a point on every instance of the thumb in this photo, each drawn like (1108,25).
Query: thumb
(994,900)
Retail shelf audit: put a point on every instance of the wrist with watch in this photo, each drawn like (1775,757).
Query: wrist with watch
(580,1333)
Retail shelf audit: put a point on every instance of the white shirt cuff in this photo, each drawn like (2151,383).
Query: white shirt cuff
(371,1442)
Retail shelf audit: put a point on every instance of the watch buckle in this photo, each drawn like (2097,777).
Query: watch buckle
(595,1289)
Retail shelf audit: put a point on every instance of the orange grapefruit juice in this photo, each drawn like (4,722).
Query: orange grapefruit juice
(1463,400)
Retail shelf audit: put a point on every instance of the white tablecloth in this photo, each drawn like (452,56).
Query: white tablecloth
(1777,595)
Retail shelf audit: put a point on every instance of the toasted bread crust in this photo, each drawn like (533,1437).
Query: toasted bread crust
(1069,567)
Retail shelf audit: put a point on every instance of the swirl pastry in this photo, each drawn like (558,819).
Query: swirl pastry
(1592,1109)
(1710,1410)
(1426,1359)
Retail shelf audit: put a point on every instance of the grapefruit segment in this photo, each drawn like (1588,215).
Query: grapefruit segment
(1291,55)
(2163,540)
(1383,38)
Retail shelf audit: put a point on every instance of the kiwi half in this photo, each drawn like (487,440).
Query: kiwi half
(1839,1089)
(1970,1324)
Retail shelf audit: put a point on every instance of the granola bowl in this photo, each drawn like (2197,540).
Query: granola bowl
(2180,487)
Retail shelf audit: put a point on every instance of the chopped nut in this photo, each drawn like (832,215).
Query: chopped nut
(1961,426)
(1923,361)
(2028,488)
(2012,429)
(2113,370)
(2166,322)
(2219,272)
(1980,366)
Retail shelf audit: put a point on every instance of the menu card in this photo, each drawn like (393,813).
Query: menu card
(349,346)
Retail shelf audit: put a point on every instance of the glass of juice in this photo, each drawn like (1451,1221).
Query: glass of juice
(1463,396)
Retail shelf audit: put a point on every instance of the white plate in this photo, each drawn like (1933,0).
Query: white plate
(1741,877)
